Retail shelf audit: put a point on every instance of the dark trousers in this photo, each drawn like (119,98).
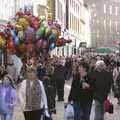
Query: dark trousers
(33,115)
(60,89)
(82,111)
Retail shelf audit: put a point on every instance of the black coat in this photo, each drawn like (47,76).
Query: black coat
(50,89)
(103,82)
(60,73)
(77,93)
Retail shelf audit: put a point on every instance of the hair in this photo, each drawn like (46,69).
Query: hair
(84,64)
(10,79)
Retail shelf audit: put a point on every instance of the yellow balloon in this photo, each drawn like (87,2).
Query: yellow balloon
(2,42)
(19,27)
(47,31)
(23,22)
(21,34)
(55,32)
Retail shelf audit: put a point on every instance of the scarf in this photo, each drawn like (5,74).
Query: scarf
(33,95)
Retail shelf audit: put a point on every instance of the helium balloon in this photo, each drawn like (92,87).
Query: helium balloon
(11,45)
(45,44)
(55,32)
(13,34)
(22,48)
(20,35)
(51,42)
(39,44)
(16,41)
(29,47)
(60,43)
(47,31)
(23,22)
(2,43)
(29,35)
(19,27)
(40,33)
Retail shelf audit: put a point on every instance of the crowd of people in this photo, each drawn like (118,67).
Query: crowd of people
(38,83)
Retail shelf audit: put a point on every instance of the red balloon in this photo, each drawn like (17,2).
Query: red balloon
(29,47)
(39,44)
(60,43)
(11,46)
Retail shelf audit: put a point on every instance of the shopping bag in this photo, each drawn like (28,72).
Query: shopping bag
(108,106)
(69,112)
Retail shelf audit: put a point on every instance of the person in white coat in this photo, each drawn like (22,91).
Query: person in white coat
(32,96)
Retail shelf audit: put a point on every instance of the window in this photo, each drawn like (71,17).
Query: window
(110,26)
(104,8)
(98,21)
(116,11)
(116,25)
(98,33)
(110,9)
(104,24)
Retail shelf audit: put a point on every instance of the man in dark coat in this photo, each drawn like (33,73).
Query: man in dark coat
(103,82)
(49,83)
(60,76)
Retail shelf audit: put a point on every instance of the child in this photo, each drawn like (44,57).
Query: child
(7,97)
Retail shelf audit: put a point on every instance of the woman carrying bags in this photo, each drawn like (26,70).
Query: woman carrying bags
(8,96)
(32,96)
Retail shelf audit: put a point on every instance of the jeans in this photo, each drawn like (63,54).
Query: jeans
(82,111)
(99,110)
(6,116)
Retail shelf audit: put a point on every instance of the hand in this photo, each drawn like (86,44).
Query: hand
(47,114)
(85,85)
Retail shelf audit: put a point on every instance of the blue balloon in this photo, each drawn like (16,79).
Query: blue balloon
(13,34)
(52,46)
(51,42)
(16,41)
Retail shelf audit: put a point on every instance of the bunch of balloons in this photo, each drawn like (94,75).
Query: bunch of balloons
(28,34)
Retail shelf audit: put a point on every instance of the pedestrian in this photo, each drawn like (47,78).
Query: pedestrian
(49,83)
(60,76)
(68,65)
(81,93)
(8,97)
(32,96)
(103,83)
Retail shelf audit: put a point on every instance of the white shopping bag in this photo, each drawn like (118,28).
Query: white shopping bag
(69,112)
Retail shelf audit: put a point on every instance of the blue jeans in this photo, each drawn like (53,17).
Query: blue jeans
(82,111)
(7,116)
(99,110)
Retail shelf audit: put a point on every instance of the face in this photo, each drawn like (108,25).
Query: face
(81,69)
(31,75)
(6,80)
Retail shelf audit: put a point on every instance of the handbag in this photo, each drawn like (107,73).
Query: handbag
(69,112)
(108,106)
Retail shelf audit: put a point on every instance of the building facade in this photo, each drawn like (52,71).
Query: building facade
(78,26)
(105,22)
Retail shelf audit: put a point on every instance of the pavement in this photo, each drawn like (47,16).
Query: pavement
(18,115)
